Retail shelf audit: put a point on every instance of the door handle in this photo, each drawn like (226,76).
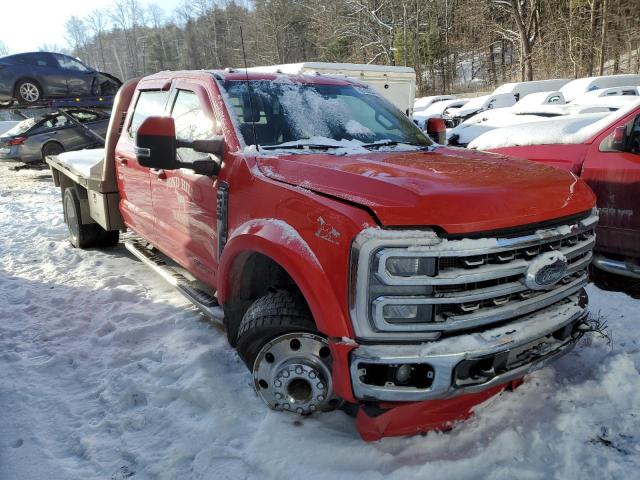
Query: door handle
(158,172)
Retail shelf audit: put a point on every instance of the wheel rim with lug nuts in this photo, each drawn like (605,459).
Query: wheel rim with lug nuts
(29,92)
(292,373)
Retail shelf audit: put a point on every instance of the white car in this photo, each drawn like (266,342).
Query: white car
(578,87)
(442,109)
(480,104)
(522,90)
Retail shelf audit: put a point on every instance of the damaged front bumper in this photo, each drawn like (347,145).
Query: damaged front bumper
(467,363)
(462,371)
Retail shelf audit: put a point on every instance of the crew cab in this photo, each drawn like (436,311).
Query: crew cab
(353,262)
(604,151)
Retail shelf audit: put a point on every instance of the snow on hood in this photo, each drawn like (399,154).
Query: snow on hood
(459,190)
(569,129)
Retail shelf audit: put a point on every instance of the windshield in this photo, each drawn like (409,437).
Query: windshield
(20,128)
(282,112)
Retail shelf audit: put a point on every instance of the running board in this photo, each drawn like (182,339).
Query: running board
(206,303)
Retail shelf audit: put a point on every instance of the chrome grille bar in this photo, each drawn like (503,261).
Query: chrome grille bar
(476,282)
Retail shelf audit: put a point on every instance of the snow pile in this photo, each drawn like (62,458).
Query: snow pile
(563,130)
(487,121)
(423,103)
(82,161)
(107,373)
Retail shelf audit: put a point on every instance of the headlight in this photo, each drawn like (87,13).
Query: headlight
(403,267)
(410,266)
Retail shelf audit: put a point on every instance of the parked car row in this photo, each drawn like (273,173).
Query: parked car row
(590,127)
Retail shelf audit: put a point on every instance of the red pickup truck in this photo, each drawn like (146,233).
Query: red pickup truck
(606,155)
(353,262)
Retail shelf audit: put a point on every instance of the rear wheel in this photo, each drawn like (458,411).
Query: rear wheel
(84,235)
(28,92)
(52,148)
(290,360)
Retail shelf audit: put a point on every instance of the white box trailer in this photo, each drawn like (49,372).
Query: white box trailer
(396,84)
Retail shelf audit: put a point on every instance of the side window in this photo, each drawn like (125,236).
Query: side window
(55,122)
(191,123)
(625,138)
(40,60)
(69,63)
(150,102)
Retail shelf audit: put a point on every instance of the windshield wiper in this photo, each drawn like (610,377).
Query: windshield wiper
(393,143)
(300,146)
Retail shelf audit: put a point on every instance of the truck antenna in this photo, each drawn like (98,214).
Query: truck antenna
(246,73)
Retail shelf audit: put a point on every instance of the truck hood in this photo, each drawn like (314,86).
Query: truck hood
(459,190)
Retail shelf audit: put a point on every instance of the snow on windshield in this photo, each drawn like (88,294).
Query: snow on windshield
(283,113)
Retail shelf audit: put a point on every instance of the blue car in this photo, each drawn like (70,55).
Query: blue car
(30,78)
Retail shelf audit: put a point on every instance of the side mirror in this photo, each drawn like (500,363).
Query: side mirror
(437,130)
(156,143)
(156,147)
(619,134)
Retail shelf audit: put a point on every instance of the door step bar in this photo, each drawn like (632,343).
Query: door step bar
(205,302)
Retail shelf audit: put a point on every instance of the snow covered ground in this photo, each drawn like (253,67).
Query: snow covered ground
(106,373)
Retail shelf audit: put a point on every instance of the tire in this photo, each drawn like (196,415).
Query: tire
(289,359)
(268,317)
(28,92)
(84,235)
(51,148)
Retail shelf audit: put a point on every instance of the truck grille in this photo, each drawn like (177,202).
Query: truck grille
(462,285)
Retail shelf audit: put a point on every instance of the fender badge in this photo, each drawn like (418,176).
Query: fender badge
(327,232)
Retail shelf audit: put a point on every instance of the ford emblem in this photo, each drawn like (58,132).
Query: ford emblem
(546,270)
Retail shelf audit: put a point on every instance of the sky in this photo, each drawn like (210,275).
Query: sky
(46,19)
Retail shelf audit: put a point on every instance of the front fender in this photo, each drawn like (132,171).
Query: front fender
(282,243)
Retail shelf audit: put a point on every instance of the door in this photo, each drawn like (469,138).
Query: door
(133,178)
(78,76)
(184,203)
(612,170)
(44,68)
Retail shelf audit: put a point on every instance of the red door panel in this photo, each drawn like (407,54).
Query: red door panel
(614,176)
(135,193)
(184,203)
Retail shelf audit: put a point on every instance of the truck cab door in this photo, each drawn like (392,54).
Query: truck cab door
(184,203)
(134,179)
(612,170)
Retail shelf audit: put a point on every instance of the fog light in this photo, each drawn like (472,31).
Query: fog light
(403,374)
(408,312)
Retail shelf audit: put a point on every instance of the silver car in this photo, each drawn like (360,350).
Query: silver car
(35,138)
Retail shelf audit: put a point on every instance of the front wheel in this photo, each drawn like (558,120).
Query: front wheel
(28,92)
(290,360)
